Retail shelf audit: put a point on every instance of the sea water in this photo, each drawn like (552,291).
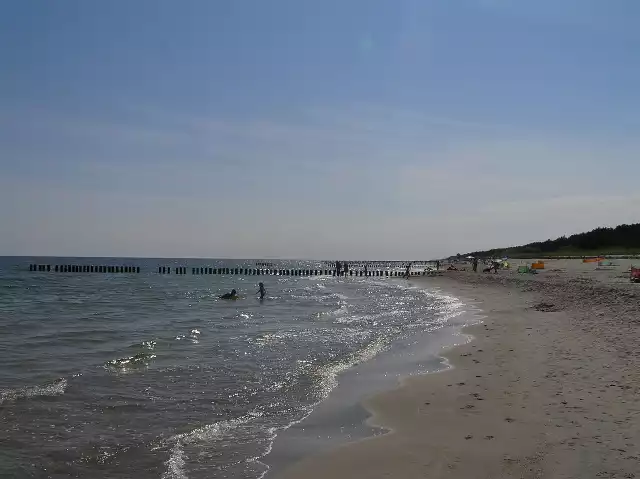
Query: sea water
(153,376)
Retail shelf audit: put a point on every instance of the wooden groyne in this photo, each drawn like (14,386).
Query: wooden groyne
(84,268)
(209,270)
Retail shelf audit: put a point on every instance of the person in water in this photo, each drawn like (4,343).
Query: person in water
(231,295)
(262,291)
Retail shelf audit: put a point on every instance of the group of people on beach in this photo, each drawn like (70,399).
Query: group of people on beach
(492,266)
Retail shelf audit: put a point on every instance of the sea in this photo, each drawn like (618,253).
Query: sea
(154,376)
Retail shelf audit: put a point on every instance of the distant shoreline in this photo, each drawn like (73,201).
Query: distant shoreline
(589,255)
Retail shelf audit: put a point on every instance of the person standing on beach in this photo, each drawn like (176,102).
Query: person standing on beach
(338,268)
(475,265)
(408,271)
(346,268)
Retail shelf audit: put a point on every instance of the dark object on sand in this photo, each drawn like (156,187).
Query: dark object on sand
(634,275)
(546,307)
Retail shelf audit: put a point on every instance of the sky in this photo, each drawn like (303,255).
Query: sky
(365,129)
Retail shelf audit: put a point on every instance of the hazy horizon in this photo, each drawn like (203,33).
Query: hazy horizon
(358,130)
(274,258)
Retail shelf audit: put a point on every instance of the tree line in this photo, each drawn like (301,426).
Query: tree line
(623,238)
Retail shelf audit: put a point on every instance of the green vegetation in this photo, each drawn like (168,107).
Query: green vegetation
(621,240)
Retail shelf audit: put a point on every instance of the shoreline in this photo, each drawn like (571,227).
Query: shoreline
(545,389)
(342,418)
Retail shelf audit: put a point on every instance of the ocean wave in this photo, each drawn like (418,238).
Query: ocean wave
(359,320)
(330,372)
(137,360)
(269,338)
(328,375)
(175,464)
(340,311)
(333,297)
(55,388)
(373,319)
(194,336)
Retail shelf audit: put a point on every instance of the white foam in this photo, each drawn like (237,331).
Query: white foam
(175,463)
(56,388)
(331,372)
(211,432)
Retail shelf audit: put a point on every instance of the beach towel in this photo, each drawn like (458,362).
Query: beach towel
(593,260)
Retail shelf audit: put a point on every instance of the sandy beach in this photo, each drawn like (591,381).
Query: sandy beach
(548,388)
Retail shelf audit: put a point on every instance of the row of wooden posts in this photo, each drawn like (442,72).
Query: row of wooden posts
(182,270)
(83,268)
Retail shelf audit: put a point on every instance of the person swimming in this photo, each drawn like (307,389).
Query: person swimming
(231,295)
(262,291)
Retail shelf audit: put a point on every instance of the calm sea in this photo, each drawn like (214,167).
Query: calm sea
(152,376)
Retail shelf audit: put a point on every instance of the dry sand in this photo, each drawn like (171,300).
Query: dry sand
(547,389)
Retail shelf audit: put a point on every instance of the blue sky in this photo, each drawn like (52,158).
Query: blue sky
(397,129)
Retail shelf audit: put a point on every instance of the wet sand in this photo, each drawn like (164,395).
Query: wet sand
(547,389)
